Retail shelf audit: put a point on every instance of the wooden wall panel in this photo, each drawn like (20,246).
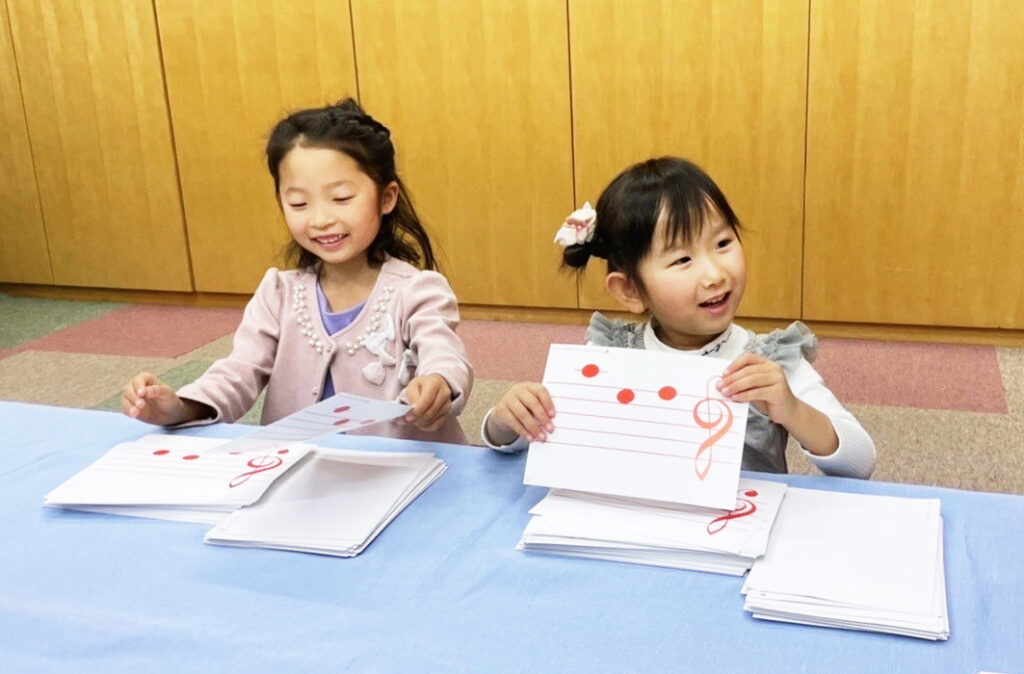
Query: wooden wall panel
(915,172)
(720,83)
(97,118)
(23,254)
(476,93)
(234,68)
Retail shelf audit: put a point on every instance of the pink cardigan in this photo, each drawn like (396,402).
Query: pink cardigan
(406,329)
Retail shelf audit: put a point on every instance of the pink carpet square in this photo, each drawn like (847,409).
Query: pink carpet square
(514,351)
(142,330)
(931,376)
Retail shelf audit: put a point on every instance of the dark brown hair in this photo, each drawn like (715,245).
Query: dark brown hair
(345,127)
(629,208)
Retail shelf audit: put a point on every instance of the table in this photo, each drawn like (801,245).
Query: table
(441,589)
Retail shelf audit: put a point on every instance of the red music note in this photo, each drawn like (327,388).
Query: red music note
(744,508)
(343,408)
(341,422)
(590,370)
(723,422)
(259,465)
(625,396)
(161,452)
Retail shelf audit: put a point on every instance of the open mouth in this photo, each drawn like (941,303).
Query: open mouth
(715,301)
(329,240)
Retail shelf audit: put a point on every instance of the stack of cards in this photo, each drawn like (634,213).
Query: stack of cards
(660,534)
(854,561)
(335,503)
(175,477)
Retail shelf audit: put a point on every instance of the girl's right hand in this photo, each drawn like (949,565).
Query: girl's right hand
(525,410)
(148,399)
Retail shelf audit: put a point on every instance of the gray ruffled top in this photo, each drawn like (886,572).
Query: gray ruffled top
(764,446)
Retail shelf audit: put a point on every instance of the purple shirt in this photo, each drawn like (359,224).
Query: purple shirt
(334,322)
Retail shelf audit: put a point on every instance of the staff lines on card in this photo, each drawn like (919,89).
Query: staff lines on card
(674,455)
(563,415)
(172,472)
(654,392)
(630,435)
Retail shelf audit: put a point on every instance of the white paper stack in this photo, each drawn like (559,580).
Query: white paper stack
(174,477)
(335,503)
(579,524)
(852,561)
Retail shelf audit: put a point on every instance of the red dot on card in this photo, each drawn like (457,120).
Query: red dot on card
(161,452)
(625,396)
(190,457)
(590,370)
(666,393)
(339,410)
(750,492)
(341,422)
(282,451)
(366,421)
(234,452)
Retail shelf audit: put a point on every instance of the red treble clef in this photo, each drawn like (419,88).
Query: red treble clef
(702,461)
(259,465)
(743,509)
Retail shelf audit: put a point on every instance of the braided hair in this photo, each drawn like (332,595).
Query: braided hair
(628,211)
(345,127)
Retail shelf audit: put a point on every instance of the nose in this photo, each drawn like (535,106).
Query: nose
(320,217)
(712,273)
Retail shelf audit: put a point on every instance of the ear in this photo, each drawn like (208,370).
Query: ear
(625,291)
(389,198)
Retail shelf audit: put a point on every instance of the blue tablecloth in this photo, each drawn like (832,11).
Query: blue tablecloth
(441,589)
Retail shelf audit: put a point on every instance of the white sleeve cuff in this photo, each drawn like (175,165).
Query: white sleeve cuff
(855,456)
(514,447)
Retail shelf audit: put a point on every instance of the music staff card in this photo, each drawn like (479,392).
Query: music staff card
(176,470)
(640,424)
(339,413)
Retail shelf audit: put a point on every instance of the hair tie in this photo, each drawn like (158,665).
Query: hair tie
(578,228)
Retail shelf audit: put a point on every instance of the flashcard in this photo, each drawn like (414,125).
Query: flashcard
(339,413)
(167,475)
(640,424)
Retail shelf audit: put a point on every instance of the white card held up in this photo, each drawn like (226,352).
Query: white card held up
(640,424)
(337,414)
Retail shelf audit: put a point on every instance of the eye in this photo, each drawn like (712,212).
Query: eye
(722,243)
(297,205)
(685,259)
(341,200)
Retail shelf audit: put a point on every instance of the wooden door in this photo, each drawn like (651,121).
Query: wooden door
(101,142)
(23,254)
(915,163)
(233,70)
(720,83)
(476,93)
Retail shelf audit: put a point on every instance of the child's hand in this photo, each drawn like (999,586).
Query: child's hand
(148,399)
(525,410)
(431,400)
(761,382)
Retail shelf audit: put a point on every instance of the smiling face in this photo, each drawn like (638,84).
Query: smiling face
(694,288)
(332,208)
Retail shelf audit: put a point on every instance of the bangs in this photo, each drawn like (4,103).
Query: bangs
(687,207)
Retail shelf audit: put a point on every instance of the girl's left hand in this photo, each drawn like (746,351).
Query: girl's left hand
(761,382)
(431,400)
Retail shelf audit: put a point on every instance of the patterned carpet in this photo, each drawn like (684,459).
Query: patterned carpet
(947,415)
